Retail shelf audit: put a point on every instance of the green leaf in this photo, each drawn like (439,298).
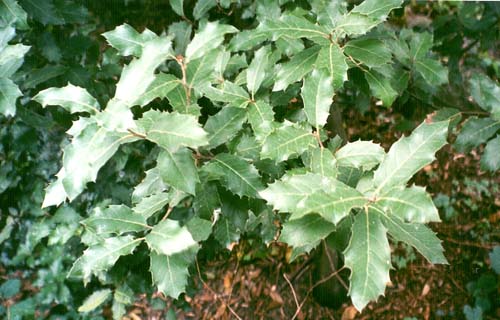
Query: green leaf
(227,92)
(210,37)
(151,184)
(237,175)
(323,162)
(200,71)
(420,45)
(368,255)
(177,6)
(332,58)
(199,228)
(89,150)
(491,157)
(127,40)
(169,238)
(381,87)
(247,39)
(10,288)
(178,169)
(317,95)
(43,11)
(306,233)
(9,92)
(202,7)
(486,93)
(72,98)
(162,84)
(410,154)
(432,71)
(417,235)
(371,52)
(207,199)
(11,12)
(116,219)
(98,258)
(411,204)
(495,259)
(138,75)
(224,125)
(256,71)
(360,154)
(170,273)
(261,118)
(11,59)
(37,76)
(355,24)
(291,26)
(295,69)
(94,300)
(474,132)
(149,205)
(173,130)
(312,193)
(287,141)
(377,9)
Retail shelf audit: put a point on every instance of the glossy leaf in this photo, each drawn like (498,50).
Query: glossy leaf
(287,141)
(291,26)
(178,169)
(323,162)
(116,219)
(71,98)
(410,154)
(317,95)
(378,9)
(332,58)
(490,160)
(209,38)
(94,300)
(261,118)
(224,125)
(256,71)
(159,88)
(432,71)
(127,40)
(295,69)
(360,154)
(12,13)
(371,52)
(369,258)
(173,130)
(9,92)
(474,132)
(168,238)
(237,175)
(381,87)
(306,233)
(486,93)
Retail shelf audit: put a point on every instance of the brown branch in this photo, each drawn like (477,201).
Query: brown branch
(293,293)
(136,134)
(182,63)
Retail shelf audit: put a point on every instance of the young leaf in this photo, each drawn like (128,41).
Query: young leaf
(295,69)
(474,132)
(410,154)
(332,58)
(411,204)
(417,235)
(71,98)
(369,258)
(116,219)
(169,238)
(317,94)
(432,71)
(127,40)
(237,175)
(371,52)
(178,169)
(287,141)
(210,37)
(256,71)
(173,130)
(102,256)
(360,154)
(224,125)
(94,300)
(491,159)
(9,92)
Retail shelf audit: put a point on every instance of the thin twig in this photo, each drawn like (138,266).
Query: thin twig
(137,134)
(167,213)
(316,134)
(293,293)
(471,244)
(215,293)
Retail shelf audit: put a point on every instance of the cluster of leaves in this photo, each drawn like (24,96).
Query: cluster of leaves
(234,134)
